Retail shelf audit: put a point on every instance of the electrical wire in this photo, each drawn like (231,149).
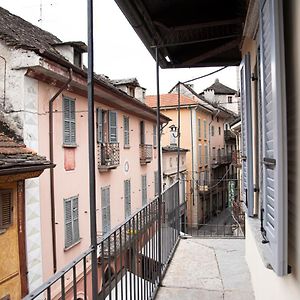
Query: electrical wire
(205,75)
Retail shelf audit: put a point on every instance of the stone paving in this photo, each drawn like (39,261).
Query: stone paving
(207,269)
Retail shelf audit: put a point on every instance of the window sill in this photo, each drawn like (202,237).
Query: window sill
(69,146)
(73,245)
(126,147)
(254,225)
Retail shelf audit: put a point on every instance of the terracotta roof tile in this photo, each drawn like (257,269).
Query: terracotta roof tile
(169,100)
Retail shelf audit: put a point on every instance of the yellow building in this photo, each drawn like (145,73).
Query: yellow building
(17,163)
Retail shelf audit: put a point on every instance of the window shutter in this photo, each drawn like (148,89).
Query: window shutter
(204,128)
(247,146)
(274,135)
(199,128)
(99,125)
(142,132)
(206,154)
(113,127)
(144,189)
(127,199)
(68,223)
(156,183)
(154,135)
(5,209)
(105,203)
(126,130)
(69,121)
(75,220)
(200,155)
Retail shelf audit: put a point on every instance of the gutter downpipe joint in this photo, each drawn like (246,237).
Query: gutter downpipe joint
(51,156)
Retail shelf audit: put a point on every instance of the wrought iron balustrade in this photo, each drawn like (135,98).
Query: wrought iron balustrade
(131,258)
(108,156)
(145,153)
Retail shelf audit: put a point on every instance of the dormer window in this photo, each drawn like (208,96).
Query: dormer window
(77,58)
(131,91)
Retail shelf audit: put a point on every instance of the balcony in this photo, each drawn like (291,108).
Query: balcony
(221,160)
(108,156)
(145,154)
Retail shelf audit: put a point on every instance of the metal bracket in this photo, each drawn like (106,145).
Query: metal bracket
(270,162)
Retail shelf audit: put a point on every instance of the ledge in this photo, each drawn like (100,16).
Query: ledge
(73,245)
(69,146)
(254,225)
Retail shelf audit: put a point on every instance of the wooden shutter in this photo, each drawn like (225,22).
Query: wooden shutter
(105,207)
(69,121)
(99,125)
(144,190)
(247,146)
(274,135)
(126,130)
(127,198)
(68,223)
(113,138)
(5,208)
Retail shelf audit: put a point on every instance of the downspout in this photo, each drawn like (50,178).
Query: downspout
(52,199)
(193,167)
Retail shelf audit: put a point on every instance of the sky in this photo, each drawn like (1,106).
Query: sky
(119,53)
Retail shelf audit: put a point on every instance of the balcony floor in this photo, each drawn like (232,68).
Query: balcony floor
(207,269)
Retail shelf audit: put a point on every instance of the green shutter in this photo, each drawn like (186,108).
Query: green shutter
(113,138)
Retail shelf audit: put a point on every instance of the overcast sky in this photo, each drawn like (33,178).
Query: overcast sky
(118,51)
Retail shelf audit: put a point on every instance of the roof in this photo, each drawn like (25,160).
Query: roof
(18,33)
(221,89)
(15,157)
(189,33)
(173,149)
(130,81)
(167,100)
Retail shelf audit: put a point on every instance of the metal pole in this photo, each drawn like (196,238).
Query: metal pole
(159,164)
(91,135)
(178,159)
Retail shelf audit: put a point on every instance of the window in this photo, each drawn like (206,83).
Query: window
(112,120)
(199,129)
(199,155)
(214,153)
(105,209)
(212,130)
(77,58)
(131,91)
(69,135)
(126,131)
(71,221)
(127,198)
(204,129)
(100,126)
(5,208)
(155,183)
(142,133)
(229,99)
(206,154)
(144,190)
(154,135)
(220,131)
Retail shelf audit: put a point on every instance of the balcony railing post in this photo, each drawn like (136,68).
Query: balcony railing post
(159,163)
(91,131)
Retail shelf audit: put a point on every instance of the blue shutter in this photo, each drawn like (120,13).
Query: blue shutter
(113,138)
(274,134)
(247,145)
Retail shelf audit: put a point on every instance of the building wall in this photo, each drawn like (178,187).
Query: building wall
(266,284)
(10,281)
(75,182)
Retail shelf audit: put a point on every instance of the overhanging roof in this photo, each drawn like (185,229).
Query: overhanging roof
(193,33)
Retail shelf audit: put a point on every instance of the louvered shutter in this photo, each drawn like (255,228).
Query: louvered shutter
(144,189)
(75,219)
(126,130)
(69,121)
(5,209)
(154,135)
(127,198)
(99,125)
(247,145)
(113,127)
(199,128)
(156,183)
(204,128)
(200,155)
(105,203)
(68,223)
(142,132)
(274,133)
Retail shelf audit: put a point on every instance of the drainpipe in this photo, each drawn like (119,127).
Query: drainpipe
(52,200)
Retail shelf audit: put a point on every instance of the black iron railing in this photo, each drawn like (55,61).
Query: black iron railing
(108,155)
(130,259)
(145,153)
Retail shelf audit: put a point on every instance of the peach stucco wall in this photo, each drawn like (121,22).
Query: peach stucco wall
(75,182)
